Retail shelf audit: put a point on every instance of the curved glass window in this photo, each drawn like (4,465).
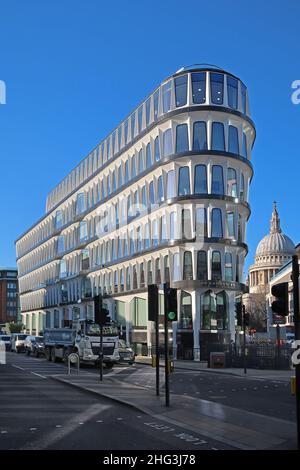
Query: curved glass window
(231,182)
(120,251)
(171,187)
(155,236)
(244,146)
(217,136)
(126,131)
(60,244)
(187,266)
(242,188)
(186,224)
(160,189)
(228,267)
(136,203)
(80,203)
(237,269)
(62,268)
(128,279)
(233,144)
(142,275)
(155,104)
(129,207)
(217,184)
(173,226)
(140,118)
(167,142)
(166,269)
(201,223)
(199,136)
(200,179)
(132,119)
(182,138)
(157,271)
(144,199)
(148,156)
(83,233)
(199,87)
(216,223)
(108,148)
(125,246)
(147,236)
(230,224)
(59,216)
(232,92)
(151,193)
(240,231)
(216,87)
(176,267)
(216,268)
(244,98)
(166,96)
(108,185)
(139,239)
(103,187)
(120,179)
(156,149)
(141,161)
(113,250)
(163,229)
(202,266)
(131,243)
(184,181)
(208,310)
(180,90)
(114,182)
(133,167)
(126,172)
(148,111)
(221,312)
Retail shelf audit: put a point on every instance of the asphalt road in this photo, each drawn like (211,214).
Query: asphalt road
(39,413)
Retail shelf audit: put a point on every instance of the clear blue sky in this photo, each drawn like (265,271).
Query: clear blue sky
(73,69)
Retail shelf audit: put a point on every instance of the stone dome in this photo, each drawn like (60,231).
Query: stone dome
(275,242)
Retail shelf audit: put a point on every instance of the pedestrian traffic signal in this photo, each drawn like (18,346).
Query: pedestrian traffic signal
(171,304)
(152,302)
(239,315)
(101,314)
(281,304)
(246,318)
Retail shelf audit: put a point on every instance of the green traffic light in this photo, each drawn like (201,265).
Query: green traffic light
(171,316)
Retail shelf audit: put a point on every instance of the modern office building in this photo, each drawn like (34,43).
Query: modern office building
(8,295)
(163,198)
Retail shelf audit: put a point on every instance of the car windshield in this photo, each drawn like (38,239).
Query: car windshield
(4,338)
(21,337)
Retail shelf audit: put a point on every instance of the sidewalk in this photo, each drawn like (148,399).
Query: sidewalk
(281,375)
(237,428)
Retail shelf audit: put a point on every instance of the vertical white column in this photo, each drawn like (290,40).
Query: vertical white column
(196,323)
(231,315)
(149,339)
(128,322)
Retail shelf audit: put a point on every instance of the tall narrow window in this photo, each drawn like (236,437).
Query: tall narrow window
(141,161)
(151,193)
(240,231)
(200,179)
(128,279)
(217,136)
(228,267)
(156,149)
(232,92)
(244,146)
(171,187)
(182,139)
(140,118)
(244,98)
(199,87)
(217,186)
(149,272)
(176,267)
(142,275)
(186,224)
(160,189)
(83,234)
(132,119)
(181,90)
(148,111)
(201,266)
(237,269)
(114,182)
(139,239)
(166,96)
(147,236)
(133,166)
(136,203)
(233,145)
(216,223)
(148,156)
(155,104)
(126,131)
(144,199)
(184,181)
(167,142)
(173,226)
(155,236)
(119,138)
(59,216)
(231,183)
(60,244)
(200,136)
(217,87)
(216,268)
(166,268)
(230,224)
(242,188)
(120,179)
(201,223)
(131,243)
(157,271)
(126,172)
(80,203)
(163,229)
(187,266)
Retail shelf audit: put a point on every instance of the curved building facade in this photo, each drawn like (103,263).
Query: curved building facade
(164,198)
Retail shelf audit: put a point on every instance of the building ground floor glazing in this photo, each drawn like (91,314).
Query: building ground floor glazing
(206,320)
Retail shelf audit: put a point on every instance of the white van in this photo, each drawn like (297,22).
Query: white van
(18,342)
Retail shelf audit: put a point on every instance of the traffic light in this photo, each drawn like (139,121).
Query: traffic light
(281,304)
(171,303)
(239,314)
(153,302)
(246,317)
(101,313)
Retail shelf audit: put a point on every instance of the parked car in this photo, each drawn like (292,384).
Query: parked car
(34,345)
(126,353)
(6,340)
(17,342)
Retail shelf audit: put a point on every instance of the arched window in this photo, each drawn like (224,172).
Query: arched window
(199,87)
(200,179)
(133,166)
(141,161)
(171,187)
(217,186)
(202,266)
(216,268)
(216,87)
(180,90)
(182,138)
(120,179)
(228,267)
(166,96)
(167,142)
(184,181)
(242,188)
(156,149)
(160,189)
(217,136)
(244,146)
(231,183)
(148,156)
(199,136)
(232,92)
(176,267)
(186,224)
(151,193)
(201,223)
(216,223)
(186,319)
(233,145)
(230,224)
(187,266)
(114,182)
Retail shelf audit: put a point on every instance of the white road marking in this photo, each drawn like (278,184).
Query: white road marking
(58,426)
(32,429)
(18,367)
(99,421)
(3,432)
(39,375)
(119,419)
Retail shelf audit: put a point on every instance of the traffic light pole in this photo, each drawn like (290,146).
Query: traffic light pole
(157,354)
(167,388)
(278,345)
(101,353)
(295,278)
(244,335)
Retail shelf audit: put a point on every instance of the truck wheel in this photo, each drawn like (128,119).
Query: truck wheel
(53,357)
(48,354)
